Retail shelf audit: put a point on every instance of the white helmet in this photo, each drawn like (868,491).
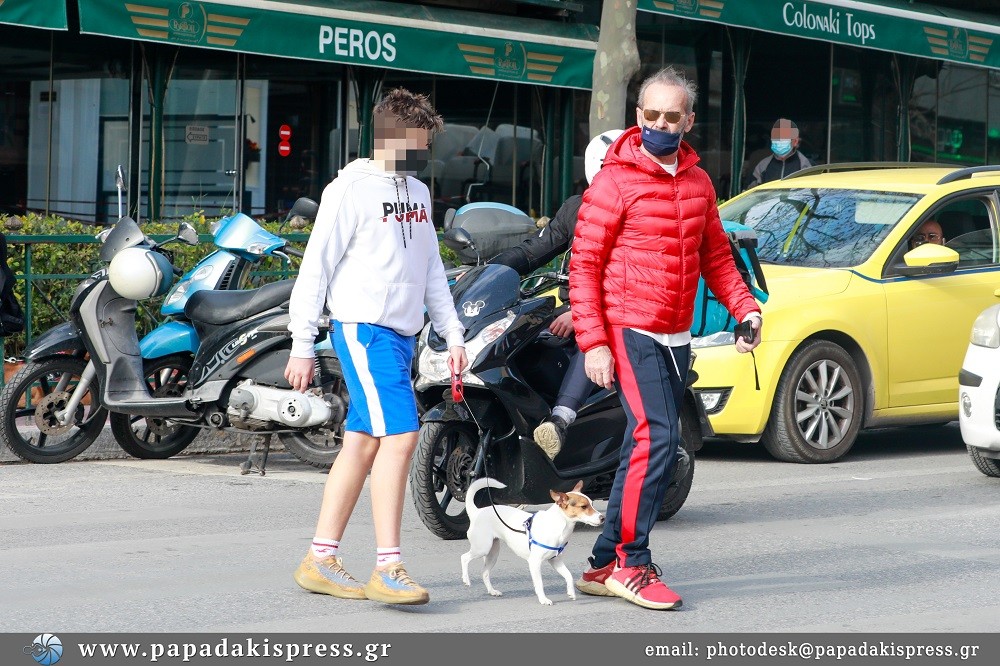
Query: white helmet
(593,156)
(139,273)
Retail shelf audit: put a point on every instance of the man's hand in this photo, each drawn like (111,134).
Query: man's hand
(600,366)
(299,372)
(562,325)
(742,346)
(459,361)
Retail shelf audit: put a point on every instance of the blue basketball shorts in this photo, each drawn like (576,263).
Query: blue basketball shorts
(376,363)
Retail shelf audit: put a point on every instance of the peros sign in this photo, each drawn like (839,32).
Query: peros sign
(354,43)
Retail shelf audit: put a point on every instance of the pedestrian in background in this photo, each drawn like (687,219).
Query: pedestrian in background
(785,157)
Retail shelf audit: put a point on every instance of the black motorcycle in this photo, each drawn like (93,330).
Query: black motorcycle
(516,367)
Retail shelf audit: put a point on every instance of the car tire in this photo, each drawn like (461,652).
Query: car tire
(988,466)
(818,406)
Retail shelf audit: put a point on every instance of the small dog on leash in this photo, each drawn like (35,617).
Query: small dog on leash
(536,537)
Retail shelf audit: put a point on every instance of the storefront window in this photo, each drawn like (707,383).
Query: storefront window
(296,121)
(53,132)
(863,106)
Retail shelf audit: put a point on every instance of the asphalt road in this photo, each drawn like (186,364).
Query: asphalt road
(899,537)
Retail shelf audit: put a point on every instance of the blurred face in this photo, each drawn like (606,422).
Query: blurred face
(404,150)
(664,107)
(929,232)
(784,139)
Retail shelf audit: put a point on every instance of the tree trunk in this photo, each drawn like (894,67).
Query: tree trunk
(617,59)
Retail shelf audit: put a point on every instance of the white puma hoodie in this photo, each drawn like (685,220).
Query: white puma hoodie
(373,257)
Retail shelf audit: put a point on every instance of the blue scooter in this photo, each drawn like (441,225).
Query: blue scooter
(169,349)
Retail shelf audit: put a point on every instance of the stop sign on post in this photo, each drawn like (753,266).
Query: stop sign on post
(285,133)
(284,149)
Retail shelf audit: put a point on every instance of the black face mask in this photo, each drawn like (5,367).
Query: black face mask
(414,161)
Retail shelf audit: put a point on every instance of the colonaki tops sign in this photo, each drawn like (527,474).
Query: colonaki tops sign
(422,39)
(883,26)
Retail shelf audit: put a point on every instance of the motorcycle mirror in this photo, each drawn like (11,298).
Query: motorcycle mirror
(120,185)
(303,207)
(187,233)
(458,239)
(103,234)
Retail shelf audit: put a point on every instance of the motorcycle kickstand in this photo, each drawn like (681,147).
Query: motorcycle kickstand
(250,464)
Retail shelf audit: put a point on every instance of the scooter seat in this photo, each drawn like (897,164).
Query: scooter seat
(224,307)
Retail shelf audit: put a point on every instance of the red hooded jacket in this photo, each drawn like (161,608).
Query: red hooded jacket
(642,240)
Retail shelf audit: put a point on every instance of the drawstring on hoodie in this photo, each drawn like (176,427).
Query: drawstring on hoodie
(405,209)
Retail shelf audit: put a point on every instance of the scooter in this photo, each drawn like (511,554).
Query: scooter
(236,381)
(515,371)
(169,349)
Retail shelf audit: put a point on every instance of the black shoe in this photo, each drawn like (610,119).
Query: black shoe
(551,435)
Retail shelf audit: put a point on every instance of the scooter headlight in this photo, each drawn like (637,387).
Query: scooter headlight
(433,365)
(178,293)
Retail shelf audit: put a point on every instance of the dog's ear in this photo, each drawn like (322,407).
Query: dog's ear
(578,487)
(558,497)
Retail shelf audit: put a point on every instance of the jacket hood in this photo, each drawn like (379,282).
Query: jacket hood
(627,150)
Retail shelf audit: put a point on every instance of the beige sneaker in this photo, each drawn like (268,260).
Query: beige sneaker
(394,586)
(328,576)
(550,435)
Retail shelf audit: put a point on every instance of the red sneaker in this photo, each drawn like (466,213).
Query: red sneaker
(642,586)
(592,581)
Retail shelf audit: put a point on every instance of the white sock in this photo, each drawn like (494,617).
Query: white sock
(324,548)
(565,413)
(384,556)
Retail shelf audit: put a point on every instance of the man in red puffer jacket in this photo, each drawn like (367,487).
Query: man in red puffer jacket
(648,228)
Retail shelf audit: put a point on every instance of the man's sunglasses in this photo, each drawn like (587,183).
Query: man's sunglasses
(672,117)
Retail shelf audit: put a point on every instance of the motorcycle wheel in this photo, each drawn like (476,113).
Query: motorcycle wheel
(439,476)
(29,400)
(154,438)
(319,447)
(677,491)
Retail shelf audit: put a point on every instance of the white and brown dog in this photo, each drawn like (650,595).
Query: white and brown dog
(536,537)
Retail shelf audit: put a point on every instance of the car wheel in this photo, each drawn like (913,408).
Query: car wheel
(818,406)
(987,466)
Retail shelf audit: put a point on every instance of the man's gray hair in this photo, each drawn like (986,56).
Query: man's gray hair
(671,77)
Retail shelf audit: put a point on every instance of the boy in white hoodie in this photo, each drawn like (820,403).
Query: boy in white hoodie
(373,258)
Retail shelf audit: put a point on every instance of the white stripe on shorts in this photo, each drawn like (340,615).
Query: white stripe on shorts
(359,357)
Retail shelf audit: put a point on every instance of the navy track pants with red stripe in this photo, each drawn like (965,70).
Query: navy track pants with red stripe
(652,393)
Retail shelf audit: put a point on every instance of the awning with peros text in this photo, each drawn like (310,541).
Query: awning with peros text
(49,14)
(365,32)
(887,25)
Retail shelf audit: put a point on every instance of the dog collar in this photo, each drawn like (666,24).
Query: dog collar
(532,542)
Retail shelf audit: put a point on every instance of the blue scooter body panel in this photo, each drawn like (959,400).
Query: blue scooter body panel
(172,337)
(204,275)
(240,234)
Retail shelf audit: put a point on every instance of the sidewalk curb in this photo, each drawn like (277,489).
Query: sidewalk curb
(106,448)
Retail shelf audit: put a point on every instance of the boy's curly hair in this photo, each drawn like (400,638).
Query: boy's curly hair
(414,109)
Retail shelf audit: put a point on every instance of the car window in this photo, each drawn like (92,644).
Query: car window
(966,228)
(819,227)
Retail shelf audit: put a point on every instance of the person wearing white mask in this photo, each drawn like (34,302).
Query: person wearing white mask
(784,159)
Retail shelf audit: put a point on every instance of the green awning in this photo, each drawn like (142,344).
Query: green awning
(888,25)
(366,32)
(49,14)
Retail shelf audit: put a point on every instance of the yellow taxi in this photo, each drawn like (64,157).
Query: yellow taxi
(870,308)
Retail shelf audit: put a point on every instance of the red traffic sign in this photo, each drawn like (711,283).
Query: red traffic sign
(284,149)
(285,132)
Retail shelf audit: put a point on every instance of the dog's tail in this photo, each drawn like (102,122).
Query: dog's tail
(475,487)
